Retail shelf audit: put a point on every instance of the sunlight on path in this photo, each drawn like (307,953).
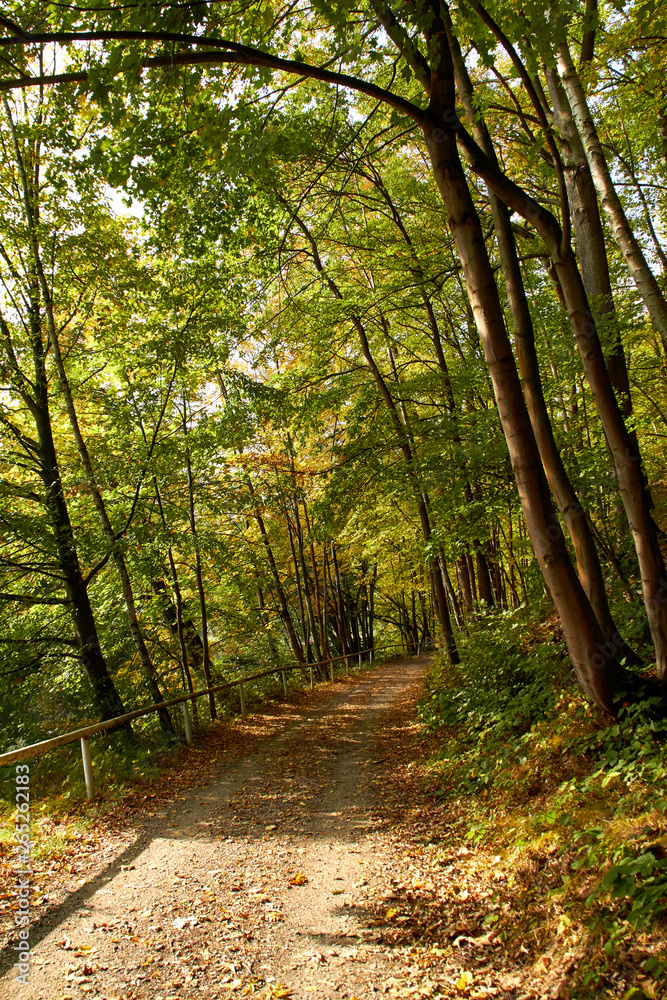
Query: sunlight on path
(254,885)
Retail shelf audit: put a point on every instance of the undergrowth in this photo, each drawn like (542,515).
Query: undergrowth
(573,802)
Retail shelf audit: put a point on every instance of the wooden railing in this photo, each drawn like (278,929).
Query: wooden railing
(85,732)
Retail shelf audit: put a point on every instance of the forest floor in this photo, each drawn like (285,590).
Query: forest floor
(302,853)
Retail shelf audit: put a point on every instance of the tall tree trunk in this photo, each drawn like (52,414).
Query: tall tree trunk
(325,636)
(451,593)
(600,677)
(300,590)
(285,613)
(483,576)
(316,582)
(188,639)
(343,629)
(206,660)
(643,276)
(588,562)
(464,581)
(625,455)
(305,576)
(107,699)
(590,242)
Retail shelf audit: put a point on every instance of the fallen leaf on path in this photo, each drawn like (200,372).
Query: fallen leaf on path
(180,922)
(298,879)
(464,981)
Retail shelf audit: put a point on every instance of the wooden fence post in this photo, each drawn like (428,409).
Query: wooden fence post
(244,714)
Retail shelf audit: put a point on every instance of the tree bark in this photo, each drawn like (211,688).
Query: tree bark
(600,677)
(575,517)
(626,458)
(201,592)
(640,270)
(107,699)
(590,242)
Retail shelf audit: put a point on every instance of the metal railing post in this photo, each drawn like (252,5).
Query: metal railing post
(87,767)
(244,714)
(186,723)
(312,680)
(284,684)
(331,671)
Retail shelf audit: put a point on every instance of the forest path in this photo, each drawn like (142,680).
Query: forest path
(269,881)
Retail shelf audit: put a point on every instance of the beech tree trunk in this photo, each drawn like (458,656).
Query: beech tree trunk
(575,517)
(642,275)
(285,613)
(590,242)
(206,659)
(624,452)
(600,676)
(107,699)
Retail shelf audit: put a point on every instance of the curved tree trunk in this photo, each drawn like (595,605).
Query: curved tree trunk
(575,517)
(600,676)
(624,452)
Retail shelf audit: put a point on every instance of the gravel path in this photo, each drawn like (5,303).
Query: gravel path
(259,883)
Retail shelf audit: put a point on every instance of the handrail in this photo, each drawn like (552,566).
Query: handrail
(34,749)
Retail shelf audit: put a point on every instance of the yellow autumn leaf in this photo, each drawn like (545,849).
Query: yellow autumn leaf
(391,913)
(464,981)
(298,879)
(281,992)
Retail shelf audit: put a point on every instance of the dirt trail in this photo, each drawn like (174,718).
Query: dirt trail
(256,884)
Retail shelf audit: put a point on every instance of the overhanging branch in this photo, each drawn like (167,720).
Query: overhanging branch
(233,53)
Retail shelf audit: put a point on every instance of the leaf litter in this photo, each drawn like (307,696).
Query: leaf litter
(249,892)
